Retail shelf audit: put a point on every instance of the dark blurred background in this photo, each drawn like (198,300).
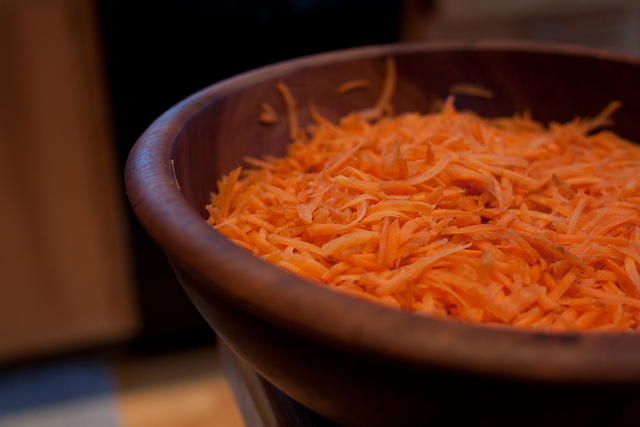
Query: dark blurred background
(159,52)
(80,80)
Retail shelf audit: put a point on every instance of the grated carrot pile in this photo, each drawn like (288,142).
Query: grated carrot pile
(501,221)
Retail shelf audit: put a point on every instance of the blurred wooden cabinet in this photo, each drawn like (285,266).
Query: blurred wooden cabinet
(609,24)
(65,280)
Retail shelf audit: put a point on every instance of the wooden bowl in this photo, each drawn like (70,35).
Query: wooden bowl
(354,362)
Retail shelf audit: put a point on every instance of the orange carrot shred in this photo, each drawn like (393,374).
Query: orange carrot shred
(267,114)
(471,90)
(290,106)
(497,221)
(352,85)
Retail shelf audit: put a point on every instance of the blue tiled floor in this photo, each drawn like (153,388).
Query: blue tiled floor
(78,392)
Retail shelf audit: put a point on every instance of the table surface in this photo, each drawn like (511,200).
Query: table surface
(184,387)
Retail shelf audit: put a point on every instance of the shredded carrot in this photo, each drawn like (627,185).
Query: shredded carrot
(497,221)
(471,89)
(352,85)
(175,177)
(290,106)
(267,114)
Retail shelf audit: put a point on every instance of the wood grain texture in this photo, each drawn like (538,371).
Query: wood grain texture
(65,275)
(351,361)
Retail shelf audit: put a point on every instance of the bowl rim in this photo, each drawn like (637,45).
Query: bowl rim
(294,304)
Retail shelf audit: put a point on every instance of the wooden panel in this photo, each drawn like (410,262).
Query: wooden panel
(63,257)
(612,24)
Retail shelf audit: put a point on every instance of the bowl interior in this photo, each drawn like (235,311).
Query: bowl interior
(553,84)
